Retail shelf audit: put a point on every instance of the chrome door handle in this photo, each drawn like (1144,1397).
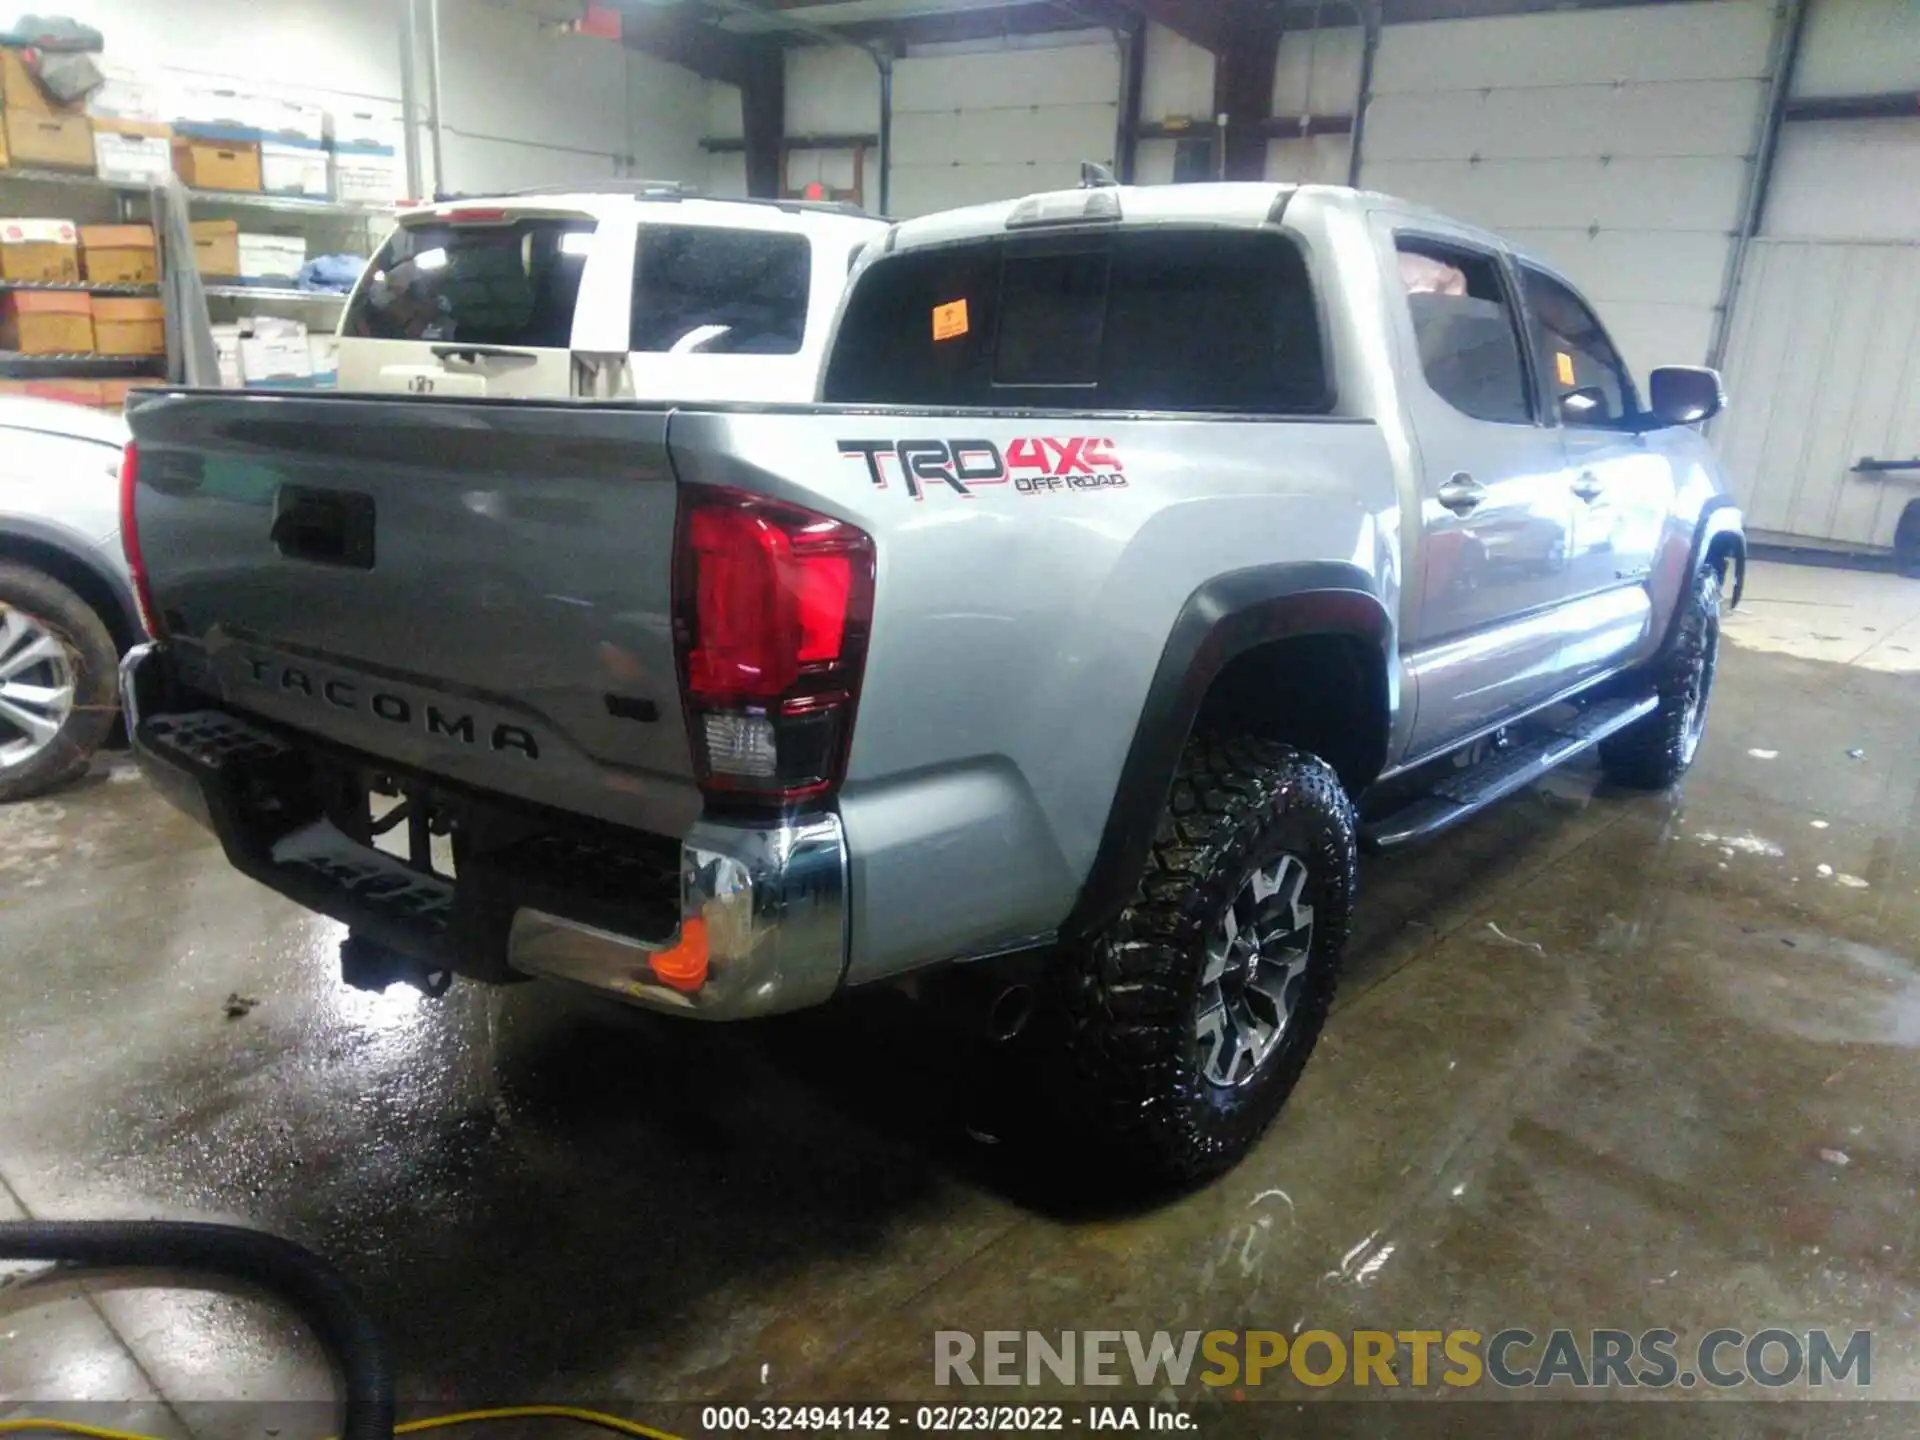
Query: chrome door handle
(1461,493)
(1588,486)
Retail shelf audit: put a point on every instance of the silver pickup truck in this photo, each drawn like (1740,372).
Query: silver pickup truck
(1148,552)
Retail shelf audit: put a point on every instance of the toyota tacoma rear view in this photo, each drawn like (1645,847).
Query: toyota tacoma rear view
(1147,553)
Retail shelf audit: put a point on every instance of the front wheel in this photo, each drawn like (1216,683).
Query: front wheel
(57,699)
(1194,1013)
(1656,750)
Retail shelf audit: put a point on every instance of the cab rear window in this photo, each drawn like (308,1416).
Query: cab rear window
(1166,319)
(513,283)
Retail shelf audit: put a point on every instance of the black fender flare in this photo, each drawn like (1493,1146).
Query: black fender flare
(32,543)
(1719,517)
(1225,617)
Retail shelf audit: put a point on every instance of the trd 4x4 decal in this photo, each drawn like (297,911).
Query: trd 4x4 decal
(1036,465)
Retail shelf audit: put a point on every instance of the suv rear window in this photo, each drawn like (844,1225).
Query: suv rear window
(507,284)
(720,292)
(1207,320)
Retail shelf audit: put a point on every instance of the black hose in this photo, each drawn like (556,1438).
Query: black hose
(322,1296)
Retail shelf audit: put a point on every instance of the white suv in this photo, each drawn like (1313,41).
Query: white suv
(656,294)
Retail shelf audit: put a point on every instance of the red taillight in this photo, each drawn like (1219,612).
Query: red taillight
(474,217)
(130,542)
(771,609)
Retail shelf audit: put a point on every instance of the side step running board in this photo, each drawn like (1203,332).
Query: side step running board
(1493,779)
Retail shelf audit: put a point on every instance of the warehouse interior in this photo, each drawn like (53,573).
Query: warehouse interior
(1599,1058)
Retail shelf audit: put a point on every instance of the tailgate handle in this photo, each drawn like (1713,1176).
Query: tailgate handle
(326,527)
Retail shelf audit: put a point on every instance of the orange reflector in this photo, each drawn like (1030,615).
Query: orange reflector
(684,967)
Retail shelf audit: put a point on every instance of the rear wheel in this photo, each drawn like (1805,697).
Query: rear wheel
(1656,750)
(1195,1012)
(57,665)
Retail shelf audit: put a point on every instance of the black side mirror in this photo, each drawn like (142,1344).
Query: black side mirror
(1684,394)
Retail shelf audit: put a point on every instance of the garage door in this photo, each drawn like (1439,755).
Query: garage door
(990,125)
(1621,156)
(1823,371)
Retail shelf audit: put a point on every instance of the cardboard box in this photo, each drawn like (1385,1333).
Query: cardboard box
(294,169)
(71,392)
(119,255)
(134,151)
(45,252)
(217,164)
(49,142)
(20,91)
(272,257)
(366,176)
(46,322)
(123,326)
(368,129)
(323,349)
(216,247)
(113,393)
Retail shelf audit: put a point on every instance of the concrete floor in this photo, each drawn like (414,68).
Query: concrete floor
(1602,1059)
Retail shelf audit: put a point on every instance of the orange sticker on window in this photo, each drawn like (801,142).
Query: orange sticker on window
(950,320)
(1562,366)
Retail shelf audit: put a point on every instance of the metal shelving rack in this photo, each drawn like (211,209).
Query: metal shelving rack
(128,201)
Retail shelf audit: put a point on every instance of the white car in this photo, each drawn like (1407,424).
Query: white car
(67,611)
(656,294)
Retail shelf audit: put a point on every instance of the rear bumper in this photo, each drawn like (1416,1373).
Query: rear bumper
(751,920)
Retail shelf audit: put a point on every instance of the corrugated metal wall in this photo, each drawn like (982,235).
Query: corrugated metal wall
(1823,369)
(1616,143)
(1823,359)
(971,125)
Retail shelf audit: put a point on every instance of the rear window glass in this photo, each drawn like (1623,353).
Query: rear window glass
(1219,320)
(509,284)
(719,292)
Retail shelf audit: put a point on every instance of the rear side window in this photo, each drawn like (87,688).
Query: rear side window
(1204,320)
(720,292)
(1464,325)
(504,284)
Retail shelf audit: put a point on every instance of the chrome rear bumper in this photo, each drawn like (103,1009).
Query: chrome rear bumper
(763,914)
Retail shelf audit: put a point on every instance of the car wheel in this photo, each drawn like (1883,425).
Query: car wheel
(1656,750)
(57,682)
(1193,1015)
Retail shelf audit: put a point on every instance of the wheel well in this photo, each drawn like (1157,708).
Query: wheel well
(1325,694)
(77,576)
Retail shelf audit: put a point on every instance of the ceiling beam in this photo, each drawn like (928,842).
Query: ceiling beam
(1037,17)
(681,36)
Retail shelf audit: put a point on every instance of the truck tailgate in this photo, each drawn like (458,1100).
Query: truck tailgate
(478,590)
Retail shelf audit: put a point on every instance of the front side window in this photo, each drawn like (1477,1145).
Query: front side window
(1585,375)
(697,289)
(508,283)
(1464,325)
(1219,321)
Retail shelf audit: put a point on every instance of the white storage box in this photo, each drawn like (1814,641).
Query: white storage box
(132,157)
(323,351)
(236,112)
(290,169)
(274,357)
(294,122)
(128,95)
(226,350)
(366,176)
(371,129)
(271,257)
